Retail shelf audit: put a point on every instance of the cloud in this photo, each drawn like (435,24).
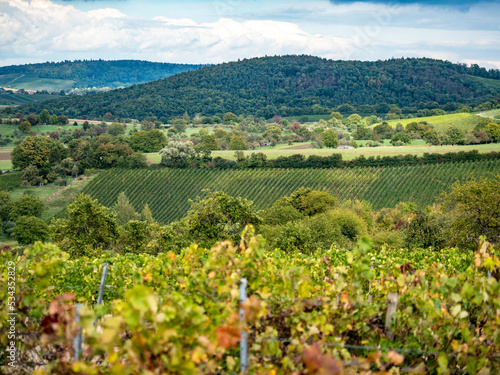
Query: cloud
(45,29)
(41,30)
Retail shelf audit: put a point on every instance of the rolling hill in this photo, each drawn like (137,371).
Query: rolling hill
(290,85)
(66,75)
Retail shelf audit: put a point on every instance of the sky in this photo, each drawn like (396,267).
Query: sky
(216,31)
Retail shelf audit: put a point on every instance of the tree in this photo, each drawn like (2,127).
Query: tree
(32,119)
(123,210)
(336,116)
(147,125)
(432,137)
(329,138)
(88,227)
(237,143)
(218,217)
(475,205)
(44,117)
(311,202)
(229,118)
(25,126)
(426,231)
(63,120)
(31,176)
(53,120)
(147,215)
(180,125)
(209,143)
(402,137)
(362,133)
(148,141)
(35,150)
(455,136)
(116,129)
(177,154)
(493,130)
(27,205)
(30,229)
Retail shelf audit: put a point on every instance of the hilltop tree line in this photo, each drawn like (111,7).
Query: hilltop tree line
(101,73)
(291,86)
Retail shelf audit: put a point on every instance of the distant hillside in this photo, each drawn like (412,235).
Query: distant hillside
(290,85)
(66,75)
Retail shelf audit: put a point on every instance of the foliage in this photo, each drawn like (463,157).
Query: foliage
(426,231)
(36,151)
(218,217)
(88,227)
(178,313)
(177,154)
(31,176)
(169,190)
(116,129)
(30,229)
(476,206)
(100,73)
(123,210)
(27,205)
(329,138)
(287,86)
(148,141)
(25,126)
(237,143)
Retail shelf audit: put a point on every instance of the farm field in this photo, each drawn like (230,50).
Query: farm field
(167,191)
(463,121)
(31,82)
(348,154)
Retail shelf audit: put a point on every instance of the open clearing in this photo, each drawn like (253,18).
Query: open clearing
(463,121)
(31,82)
(419,150)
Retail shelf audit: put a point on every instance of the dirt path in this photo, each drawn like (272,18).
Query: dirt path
(15,79)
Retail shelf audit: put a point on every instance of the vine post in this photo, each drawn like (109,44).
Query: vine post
(103,283)
(243,334)
(77,341)
(392,305)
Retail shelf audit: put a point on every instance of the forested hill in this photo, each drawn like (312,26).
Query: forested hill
(289,85)
(100,73)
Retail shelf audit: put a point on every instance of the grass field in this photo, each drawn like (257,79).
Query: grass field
(463,121)
(284,150)
(494,114)
(32,82)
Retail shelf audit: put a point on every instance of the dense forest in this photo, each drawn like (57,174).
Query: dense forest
(100,73)
(291,85)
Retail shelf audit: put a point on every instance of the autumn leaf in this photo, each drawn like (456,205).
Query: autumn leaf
(228,337)
(148,277)
(395,358)
(317,363)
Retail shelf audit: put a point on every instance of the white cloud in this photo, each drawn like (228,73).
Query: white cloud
(42,28)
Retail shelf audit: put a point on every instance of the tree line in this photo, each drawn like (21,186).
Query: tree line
(290,86)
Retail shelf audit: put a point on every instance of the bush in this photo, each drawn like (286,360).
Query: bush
(29,229)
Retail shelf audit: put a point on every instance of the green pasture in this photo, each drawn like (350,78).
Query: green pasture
(493,114)
(285,150)
(463,121)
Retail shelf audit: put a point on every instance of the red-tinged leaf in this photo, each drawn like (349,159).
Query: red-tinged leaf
(228,337)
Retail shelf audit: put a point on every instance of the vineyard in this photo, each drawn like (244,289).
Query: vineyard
(167,191)
(324,312)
